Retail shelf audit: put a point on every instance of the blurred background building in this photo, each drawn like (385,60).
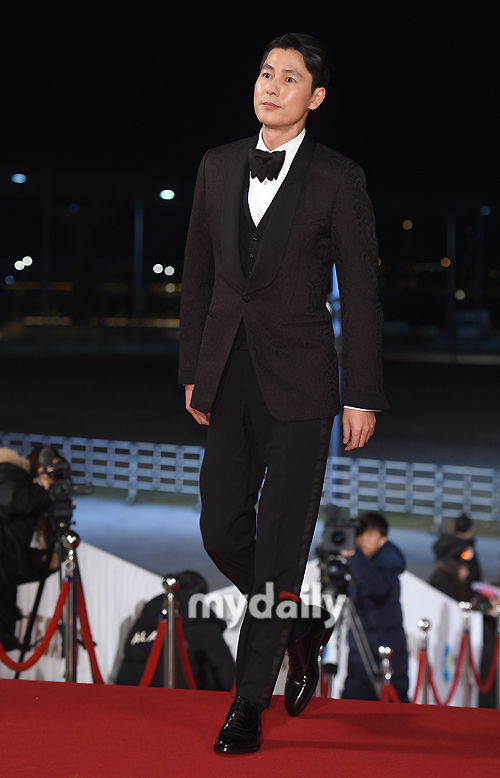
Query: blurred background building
(107,114)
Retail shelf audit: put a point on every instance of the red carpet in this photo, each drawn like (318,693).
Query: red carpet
(57,730)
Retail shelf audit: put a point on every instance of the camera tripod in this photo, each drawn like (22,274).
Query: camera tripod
(334,582)
(65,541)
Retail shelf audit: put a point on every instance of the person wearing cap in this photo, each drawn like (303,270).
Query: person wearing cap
(458,540)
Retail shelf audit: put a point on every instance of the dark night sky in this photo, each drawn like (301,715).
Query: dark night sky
(109,85)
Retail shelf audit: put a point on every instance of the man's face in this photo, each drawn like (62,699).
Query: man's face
(370,541)
(283,93)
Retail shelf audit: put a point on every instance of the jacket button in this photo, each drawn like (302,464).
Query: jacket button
(246,298)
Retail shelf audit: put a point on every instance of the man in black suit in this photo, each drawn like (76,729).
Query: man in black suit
(258,362)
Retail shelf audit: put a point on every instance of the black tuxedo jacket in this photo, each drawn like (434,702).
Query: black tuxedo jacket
(321,216)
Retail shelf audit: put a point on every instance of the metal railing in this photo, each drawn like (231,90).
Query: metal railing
(357,484)
(412,487)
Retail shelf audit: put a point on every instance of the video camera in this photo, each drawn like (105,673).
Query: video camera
(62,489)
(338,535)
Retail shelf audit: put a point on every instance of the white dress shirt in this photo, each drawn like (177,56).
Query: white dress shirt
(262,193)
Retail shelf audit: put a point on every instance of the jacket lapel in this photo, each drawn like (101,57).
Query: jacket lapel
(280,222)
(230,217)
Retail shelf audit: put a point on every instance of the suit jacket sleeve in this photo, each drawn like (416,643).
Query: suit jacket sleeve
(197,282)
(356,259)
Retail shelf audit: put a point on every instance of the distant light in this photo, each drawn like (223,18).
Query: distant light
(379,261)
(445,262)
(167,194)
(169,270)
(18,178)
(27,261)
(170,288)
(460,294)
(158,268)
(407,224)
(72,208)
(9,280)
(19,265)
(486,210)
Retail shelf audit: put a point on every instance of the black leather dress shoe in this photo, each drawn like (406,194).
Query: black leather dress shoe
(303,666)
(240,733)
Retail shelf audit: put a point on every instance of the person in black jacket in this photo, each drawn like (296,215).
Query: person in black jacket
(459,539)
(211,661)
(375,567)
(272,214)
(451,575)
(22,503)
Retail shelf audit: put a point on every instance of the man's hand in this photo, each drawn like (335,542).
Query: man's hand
(201,418)
(358,427)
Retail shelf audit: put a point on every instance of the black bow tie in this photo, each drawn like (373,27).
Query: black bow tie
(265,164)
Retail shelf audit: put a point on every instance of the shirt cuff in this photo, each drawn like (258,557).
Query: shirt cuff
(353,408)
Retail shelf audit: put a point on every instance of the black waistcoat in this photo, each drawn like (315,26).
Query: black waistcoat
(250,241)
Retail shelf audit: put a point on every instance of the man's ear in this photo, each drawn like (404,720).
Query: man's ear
(317,98)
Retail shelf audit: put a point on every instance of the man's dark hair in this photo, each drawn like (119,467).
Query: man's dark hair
(373,520)
(314,55)
(463,523)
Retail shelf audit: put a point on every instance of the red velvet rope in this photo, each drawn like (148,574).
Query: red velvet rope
(183,654)
(420,675)
(154,655)
(456,677)
(87,636)
(486,686)
(20,667)
(389,693)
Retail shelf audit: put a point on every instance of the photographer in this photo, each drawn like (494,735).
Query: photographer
(23,500)
(375,567)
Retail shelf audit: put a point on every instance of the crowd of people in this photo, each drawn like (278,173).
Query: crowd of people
(28,552)
(456,569)
(375,566)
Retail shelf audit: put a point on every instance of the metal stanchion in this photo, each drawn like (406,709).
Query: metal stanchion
(424,625)
(70,541)
(168,612)
(385,653)
(466,609)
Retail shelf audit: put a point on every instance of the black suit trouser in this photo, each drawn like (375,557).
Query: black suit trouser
(246,446)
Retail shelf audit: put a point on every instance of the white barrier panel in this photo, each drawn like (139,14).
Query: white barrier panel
(115,592)
(421,601)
